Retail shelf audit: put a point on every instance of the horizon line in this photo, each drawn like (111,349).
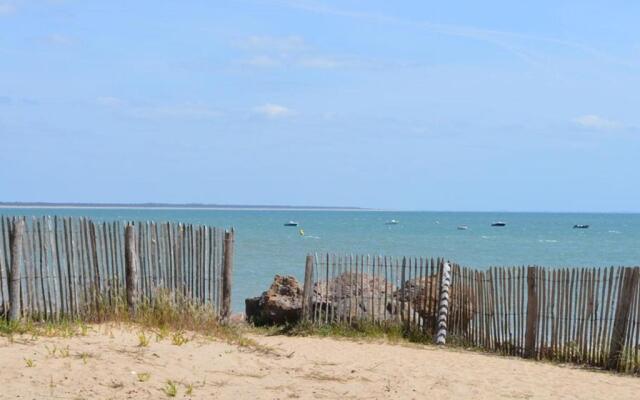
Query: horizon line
(261,207)
(163,205)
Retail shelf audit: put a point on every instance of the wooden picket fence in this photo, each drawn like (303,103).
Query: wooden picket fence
(349,288)
(588,316)
(52,267)
(583,315)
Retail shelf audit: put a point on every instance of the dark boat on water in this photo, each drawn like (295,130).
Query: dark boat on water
(499,223)
(291,223)
(580,226)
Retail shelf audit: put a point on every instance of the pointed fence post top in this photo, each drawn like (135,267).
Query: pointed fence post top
(307,288)
(227,275)
(16,238)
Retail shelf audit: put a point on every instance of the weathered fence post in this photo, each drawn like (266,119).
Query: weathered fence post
(14,278)
(131,268)
(532,313)
(403,292)
(621,321)
(443,308)
(227,273)
(308,281)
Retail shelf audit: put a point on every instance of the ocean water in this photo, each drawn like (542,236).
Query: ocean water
(264,247)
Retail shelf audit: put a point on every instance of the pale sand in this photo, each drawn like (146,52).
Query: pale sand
(305,368)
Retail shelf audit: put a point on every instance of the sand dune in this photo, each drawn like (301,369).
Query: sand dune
(107,363)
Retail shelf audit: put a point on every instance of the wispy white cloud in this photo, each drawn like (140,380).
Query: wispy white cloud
(288,51)
(7,7)
(274,111)
(18,101)
(273,43)
(263,61)
(181,111)
(518,44)
(189,111)
(110,101)
(300,61)
(596,122)
(58,39)
(320,62)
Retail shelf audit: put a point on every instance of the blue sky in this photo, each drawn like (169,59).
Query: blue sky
(494,105)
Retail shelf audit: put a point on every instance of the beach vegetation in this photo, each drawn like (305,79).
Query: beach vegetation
(143,339)
(55,351)
(170,389)
(161,333)
(366,330)
(84,356)
(51,351)
(178,338)
(143,376)
(60,328)
(166,316)
(189,389)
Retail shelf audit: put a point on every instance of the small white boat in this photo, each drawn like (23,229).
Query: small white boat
(392,222)
(462,227)
(291,223)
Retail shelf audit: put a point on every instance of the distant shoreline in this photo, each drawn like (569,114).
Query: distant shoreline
(241,207)
(168,206)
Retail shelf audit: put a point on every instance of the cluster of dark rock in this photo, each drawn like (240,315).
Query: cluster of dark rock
(279,305)
(350,296)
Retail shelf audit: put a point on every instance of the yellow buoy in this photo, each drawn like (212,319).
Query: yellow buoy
(301,232)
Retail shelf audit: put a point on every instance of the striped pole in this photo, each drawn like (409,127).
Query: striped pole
(443,309)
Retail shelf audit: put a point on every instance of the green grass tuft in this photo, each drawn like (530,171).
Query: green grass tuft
(166,316)
(143,340)
(391,332)
(143,376)
(170,389)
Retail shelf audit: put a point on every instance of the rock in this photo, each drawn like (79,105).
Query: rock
(462,299)
(424,296)
(252,308)
(280,304)
(354,296)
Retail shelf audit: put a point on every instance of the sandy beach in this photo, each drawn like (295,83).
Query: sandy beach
(109,363)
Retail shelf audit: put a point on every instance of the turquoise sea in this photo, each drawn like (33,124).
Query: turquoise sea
(264,247)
